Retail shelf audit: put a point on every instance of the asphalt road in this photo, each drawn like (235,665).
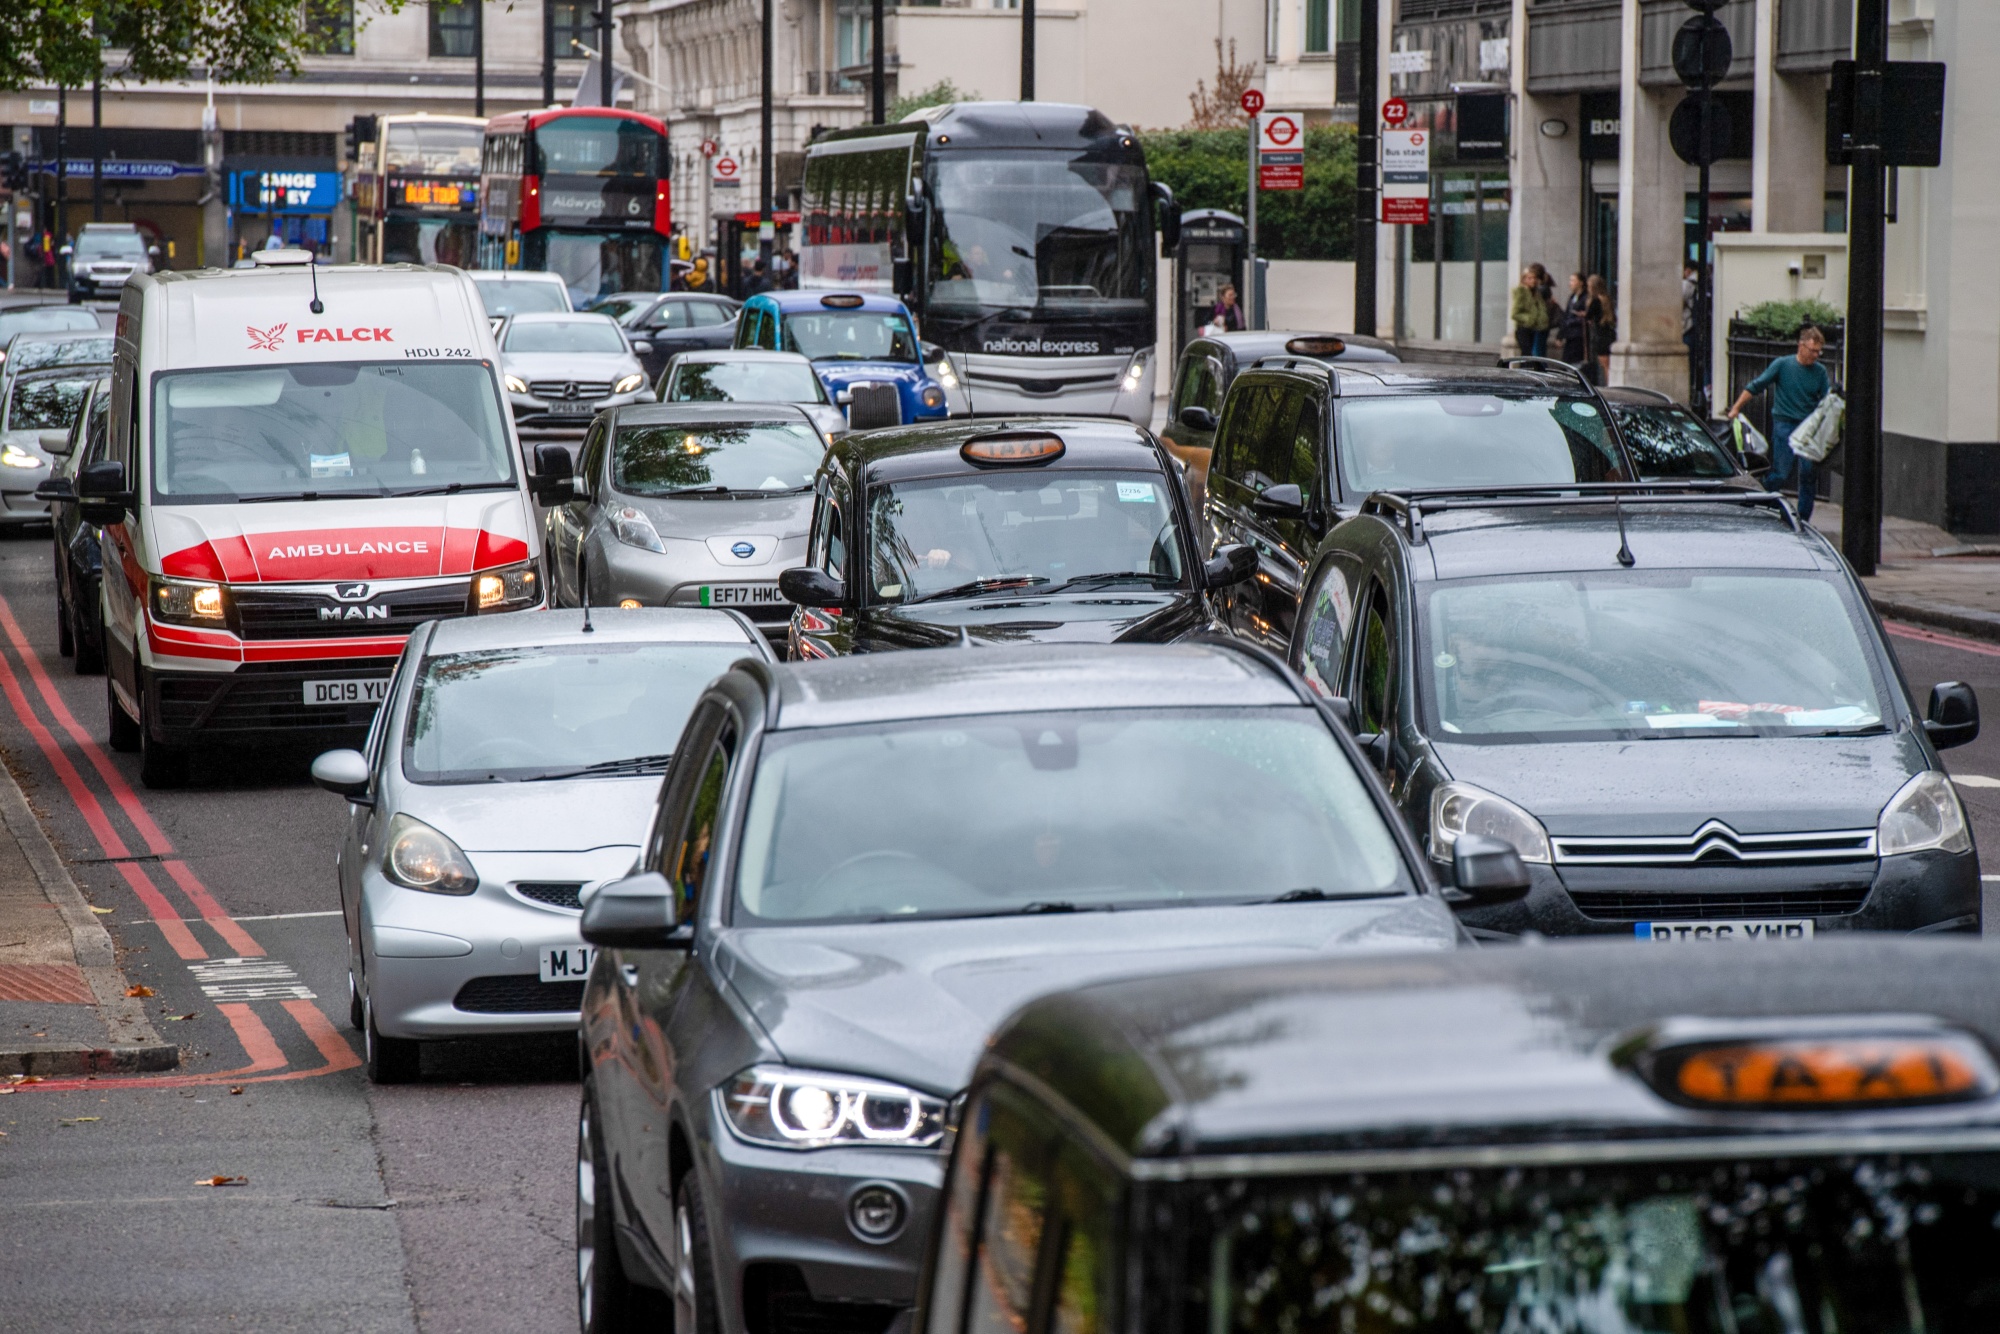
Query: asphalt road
(440,1207)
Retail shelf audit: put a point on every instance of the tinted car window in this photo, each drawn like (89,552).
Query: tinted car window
(1563,657)
(1402,443)
(756,456)
(1376,668)
(707,314)
(41,355)
(985,816)
(1010,1236)
(1322,632)
(1253,409)
(688,859)
(1668,442)
(45,404)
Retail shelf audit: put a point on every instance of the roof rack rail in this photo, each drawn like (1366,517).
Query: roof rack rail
(1286,361)
(1411,505)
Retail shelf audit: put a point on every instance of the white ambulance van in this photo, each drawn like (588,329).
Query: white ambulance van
(304,464)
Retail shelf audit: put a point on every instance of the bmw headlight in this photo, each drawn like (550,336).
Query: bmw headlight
(507,589)
(186,602)
(1925,814)
(803,1109)
(628,384)
(13,456)
(419,857)
(515,384)
(1461,808)
(634,529)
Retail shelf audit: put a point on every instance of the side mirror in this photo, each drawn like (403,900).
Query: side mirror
(1375,745)
(636,913)
(345,774)
(1339,709)
(902,276)
(808,587)
(554,478)
(642,347)
(1953,717)
(1280,502)
(1487,870)
(932,353)
(1231,564)
(1198,418)
(1170,217)
(56,490)
(54,442)
(101,488)
(153,251)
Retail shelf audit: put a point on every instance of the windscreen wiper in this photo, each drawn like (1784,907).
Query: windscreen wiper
(991,584)
(450,489)
(1113,576)
(271,496)
(637,764)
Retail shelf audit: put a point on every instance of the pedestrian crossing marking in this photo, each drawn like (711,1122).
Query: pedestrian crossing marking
(241,979)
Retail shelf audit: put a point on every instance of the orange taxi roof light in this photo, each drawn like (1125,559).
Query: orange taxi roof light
(841,300)
(1315,347)
(1013,447)
(1830,1073)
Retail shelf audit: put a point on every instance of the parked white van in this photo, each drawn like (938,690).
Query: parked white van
(304,464)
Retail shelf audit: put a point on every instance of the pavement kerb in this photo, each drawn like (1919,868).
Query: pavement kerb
(1934,616)
(132,1043)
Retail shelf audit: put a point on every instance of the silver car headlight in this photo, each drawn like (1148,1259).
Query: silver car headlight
(804,1109)
(1925,814)
(16,457)
(1461,808)
(515,384)
(631,526)
(419,857)
(628,384)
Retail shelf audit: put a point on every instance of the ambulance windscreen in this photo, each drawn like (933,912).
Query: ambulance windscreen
(326,430)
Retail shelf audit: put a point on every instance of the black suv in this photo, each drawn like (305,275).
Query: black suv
(1672,698)
(1301,445)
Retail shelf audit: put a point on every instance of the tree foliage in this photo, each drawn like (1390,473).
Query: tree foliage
(1210,169)
(940,94)
(1221,107)
(70,43)
(1784,319)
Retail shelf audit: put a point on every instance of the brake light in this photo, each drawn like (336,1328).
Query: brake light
(531,203)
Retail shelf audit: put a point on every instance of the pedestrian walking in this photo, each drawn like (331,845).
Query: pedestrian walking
(1800,383)
(1690,294)
(1529,310)
(1575,334)
(1600,315)
(1226,316)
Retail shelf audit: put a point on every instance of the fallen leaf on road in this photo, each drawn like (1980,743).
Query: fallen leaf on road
(76,1120)
(178,1018)
(223,1181)
(237,1089)
(138,991)
(104,910)
(24,1079)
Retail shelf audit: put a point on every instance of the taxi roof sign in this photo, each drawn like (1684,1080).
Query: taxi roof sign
(1010,447)
(1823,1071)
(842,300)
(1314,345)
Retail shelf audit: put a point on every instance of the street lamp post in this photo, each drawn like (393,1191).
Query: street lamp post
(1367,162)
(605,83)
(1027,50)
(765,230)
(548,53)
(878,90)
(478,57)
(1861,472)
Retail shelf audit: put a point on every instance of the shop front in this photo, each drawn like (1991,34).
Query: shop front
(282,206)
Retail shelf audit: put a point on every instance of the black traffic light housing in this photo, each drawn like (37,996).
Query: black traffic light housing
(360,130)
(13,171)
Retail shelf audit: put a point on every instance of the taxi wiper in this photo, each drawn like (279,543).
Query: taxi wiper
(1113,576)
(991,584)
(637,764)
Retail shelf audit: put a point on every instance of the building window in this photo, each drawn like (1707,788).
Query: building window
(1318,35)
(853,43)
(1349,29)
(451,27)
(571,22)
(1270,29)
(329,26)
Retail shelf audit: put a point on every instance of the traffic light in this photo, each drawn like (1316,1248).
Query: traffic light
(360,130)
(13,171)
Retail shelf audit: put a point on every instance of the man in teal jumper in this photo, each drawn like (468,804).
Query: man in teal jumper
(1802,382)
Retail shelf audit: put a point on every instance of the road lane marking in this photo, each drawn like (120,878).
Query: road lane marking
(1942,640)
(204,903)
(266,917)
(339,1053)
(241,979)
(1975,780)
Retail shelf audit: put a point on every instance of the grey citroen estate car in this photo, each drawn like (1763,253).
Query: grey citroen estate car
(688,505)
(858,867)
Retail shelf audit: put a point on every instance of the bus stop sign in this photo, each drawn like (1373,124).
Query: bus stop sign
(1252,101)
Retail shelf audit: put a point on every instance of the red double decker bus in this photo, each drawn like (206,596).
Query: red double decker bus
(577,191)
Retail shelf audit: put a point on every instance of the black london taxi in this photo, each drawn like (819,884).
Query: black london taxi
(1030,530)
(1302,443)
(1672,698)
(1579,1138)
(1209,365)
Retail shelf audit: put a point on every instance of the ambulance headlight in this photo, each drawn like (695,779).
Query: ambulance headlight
(507,589)
(186,602)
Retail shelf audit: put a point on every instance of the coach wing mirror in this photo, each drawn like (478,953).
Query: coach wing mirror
(1230,564)
(553,481)
(808,587)
(1170,217)
(636,913)
(902,276)
(1953,717)
(1280,502)
(1197,417)
(101,488)
(1487,870)
(933,354)
(345,774)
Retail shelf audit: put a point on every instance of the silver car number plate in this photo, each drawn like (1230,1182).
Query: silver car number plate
(1775,928)
(567,963)
(740,595)
(564,408)
(351,690)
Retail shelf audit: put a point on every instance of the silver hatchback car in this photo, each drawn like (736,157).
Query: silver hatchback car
(512,770)
(688,505)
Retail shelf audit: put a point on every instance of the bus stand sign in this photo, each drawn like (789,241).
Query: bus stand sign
(1406,176)
(1281,152)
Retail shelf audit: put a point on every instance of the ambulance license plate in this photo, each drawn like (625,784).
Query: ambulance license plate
(351,690)
(1774,928)
(567,963)
(740,595)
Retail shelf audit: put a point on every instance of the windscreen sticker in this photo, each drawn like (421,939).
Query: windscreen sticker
(331,465)
(1139,493)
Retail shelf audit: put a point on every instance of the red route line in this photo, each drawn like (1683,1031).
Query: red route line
(1903,631)
(267,1060)
(135,810)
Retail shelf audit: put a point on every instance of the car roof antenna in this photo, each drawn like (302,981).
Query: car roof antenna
(1625,556)
(317,306)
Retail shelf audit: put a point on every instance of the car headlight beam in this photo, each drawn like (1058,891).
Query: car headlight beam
(186,602)
(13,456)
(419,857)
(628,384)
(1924,814)
(509,588)
(1461,808)
(805,1109)
(515,384)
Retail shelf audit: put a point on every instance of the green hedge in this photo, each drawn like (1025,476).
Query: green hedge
(1209,169)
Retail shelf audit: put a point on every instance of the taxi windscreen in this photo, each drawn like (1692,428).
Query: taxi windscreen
(327,429)
(514,715)
(718,458)
(1569,657)
(1773,1246)
(1058,812)
(993,532)
(850,335)
(1401,444)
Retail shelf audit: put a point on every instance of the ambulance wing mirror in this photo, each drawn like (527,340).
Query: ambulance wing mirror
(101,488)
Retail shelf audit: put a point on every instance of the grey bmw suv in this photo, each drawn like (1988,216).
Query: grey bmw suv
(858,867)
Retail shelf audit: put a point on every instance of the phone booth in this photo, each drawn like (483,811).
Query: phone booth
(1210,258)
